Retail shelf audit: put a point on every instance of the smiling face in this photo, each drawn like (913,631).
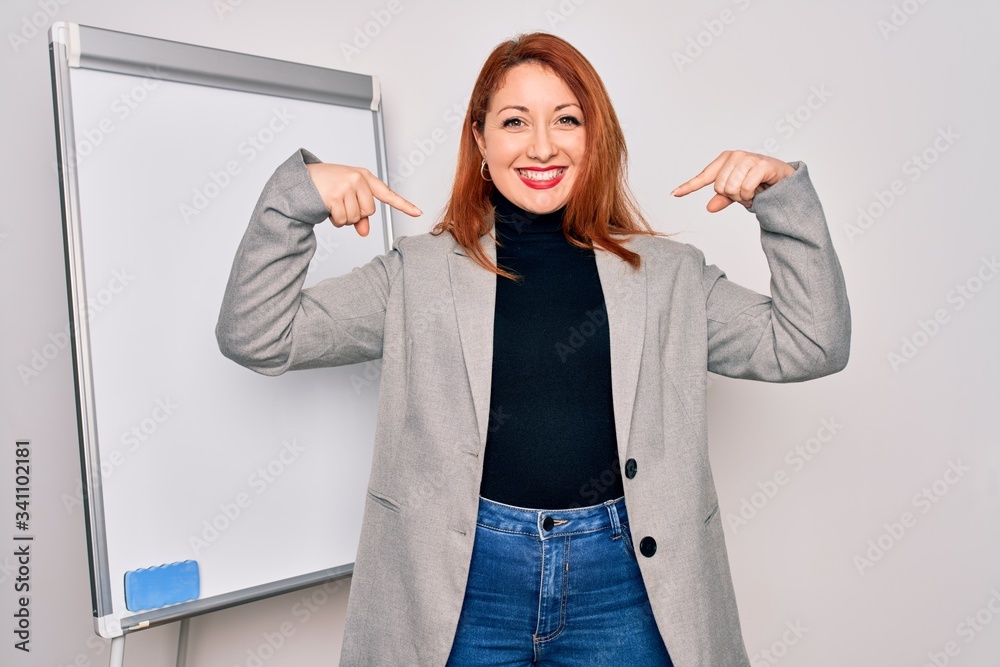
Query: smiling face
(533,139)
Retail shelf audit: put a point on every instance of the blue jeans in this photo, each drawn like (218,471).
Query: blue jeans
(558,588)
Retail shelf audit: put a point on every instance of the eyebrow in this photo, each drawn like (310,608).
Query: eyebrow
(525,109)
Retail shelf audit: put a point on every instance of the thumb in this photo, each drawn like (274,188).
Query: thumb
(717,203)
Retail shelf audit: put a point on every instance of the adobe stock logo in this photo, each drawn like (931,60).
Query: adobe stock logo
(223,7)
(712,30)
(797,458)
(899,16)
(364,34)
(565,10)
(58,341)
(928,329)
(971,627)
(425,147)
(33,23)
(89,139)
(231,510)
(796,119)
(578,335)
(216,182)
(924,501)
(779,648)
(914,168)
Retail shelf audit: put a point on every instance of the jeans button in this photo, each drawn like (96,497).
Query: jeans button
(547,523)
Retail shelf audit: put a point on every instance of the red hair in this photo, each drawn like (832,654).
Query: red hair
(600,204)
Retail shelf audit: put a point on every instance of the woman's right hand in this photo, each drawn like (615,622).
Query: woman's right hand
(350,193)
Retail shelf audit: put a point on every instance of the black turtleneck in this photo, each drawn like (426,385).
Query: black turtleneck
(551,437)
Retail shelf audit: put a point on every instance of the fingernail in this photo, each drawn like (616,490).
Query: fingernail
(674,191)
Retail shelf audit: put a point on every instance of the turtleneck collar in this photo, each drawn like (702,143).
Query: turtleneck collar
(511,218)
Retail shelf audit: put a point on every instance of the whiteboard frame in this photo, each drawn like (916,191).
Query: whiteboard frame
(77,46)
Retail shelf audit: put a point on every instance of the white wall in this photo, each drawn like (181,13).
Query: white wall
(887,81)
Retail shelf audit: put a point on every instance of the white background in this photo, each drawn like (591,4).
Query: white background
(878,96)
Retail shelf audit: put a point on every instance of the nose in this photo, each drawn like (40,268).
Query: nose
(541,148)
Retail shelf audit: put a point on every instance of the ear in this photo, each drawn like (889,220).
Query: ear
(480,139)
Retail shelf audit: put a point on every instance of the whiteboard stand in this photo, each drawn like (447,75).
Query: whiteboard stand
(117,654)
(253,485)
(117,658)
(182,643)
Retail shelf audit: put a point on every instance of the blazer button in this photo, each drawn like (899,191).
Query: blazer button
(647,546)
(547,523)
(630,468)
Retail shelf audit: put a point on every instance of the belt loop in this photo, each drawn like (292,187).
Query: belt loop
(616,528)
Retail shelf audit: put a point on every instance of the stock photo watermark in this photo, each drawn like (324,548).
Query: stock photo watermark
(230,511)
(580,334)
(424,147)
(562,12)
(223,8)
(779,648)
(97,646)
(216,182)
(370,374)
(35,23)
(913,168)
(303,610)
(23,541)
(420,323)
(88,140)
(899,16)
(370,30)
(796,459)
(326,248)
(971,627)
(923,501)
(132,439)
(712,30)
(792,121)
(41,357)
(927,329)
(271,644)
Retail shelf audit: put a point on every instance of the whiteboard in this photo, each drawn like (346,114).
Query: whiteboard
(164,149)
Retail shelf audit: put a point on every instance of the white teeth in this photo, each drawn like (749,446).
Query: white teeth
(542,175)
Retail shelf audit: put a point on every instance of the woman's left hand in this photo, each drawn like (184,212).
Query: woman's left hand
(738,176)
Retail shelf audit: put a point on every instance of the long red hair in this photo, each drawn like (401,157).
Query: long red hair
(600,204)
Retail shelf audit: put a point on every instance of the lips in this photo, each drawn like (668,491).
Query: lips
(541,179)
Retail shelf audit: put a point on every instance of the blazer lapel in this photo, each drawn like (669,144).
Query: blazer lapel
(474,290)
(625,299)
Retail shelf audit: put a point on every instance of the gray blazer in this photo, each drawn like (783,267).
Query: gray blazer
(426,309)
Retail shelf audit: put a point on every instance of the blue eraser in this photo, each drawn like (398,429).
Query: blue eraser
(154,587)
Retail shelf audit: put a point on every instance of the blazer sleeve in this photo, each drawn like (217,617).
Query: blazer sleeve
(803,330)
(267,322)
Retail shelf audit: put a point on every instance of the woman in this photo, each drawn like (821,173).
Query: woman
(540,336)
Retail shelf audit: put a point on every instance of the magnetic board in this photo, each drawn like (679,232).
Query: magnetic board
(249,485)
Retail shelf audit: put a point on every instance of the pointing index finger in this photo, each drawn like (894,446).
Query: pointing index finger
(707,175)
(382,192)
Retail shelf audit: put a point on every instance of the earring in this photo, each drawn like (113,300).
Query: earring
(482,167)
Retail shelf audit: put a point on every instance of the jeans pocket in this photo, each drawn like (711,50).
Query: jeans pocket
(627,540)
